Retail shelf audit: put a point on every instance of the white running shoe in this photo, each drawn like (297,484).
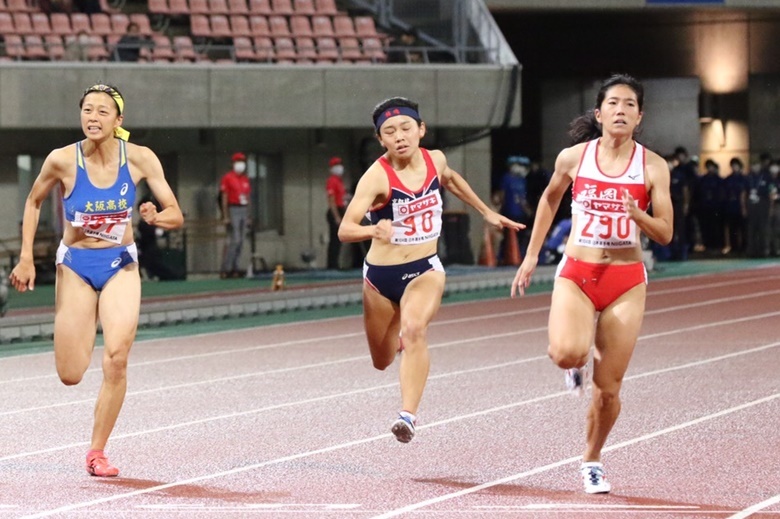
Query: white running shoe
(403,428)
(593,477)
(575,380)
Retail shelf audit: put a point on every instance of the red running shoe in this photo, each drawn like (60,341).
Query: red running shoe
(98,465)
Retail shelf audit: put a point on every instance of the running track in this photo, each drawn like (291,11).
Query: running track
(292,420)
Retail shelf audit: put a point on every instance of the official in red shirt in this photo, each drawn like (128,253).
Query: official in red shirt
(235,189)
(335,190)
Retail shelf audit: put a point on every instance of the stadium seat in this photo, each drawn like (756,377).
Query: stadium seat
(22,23)
(220,27)
(278,25)
(343,26)
(350,49)
(14,47)
(34,47)
(326,7)
(322,26)
(264,49)
(142,20)
(162,50)
(199,25)
(3,7)
(239,26)
(305,49)
(54,46)
(178,7)
(365,27)
(238,7)
(372,49)
(184,49)
(327,49)
(258,24)
(243,49)
(282,7)
(199,6)
(262,7)
(101,24)
(60,24)
(218,7)
(80,22)
(304,7)
(284,48)
(300,27)
(6,23)
(158,7)
(97,50)
(119,23)
(20,6)
(40,23)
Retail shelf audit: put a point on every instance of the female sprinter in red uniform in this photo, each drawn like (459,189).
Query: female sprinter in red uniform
(404,278)
(614,180)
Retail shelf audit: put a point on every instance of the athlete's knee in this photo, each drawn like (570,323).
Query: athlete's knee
(605,397)
(414,331)
(70,377)
(115,365)
(567,356)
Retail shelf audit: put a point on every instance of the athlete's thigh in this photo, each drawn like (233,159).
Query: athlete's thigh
(617,331)
(381,319)
(119,306)
(572,318)
(75,320)
(422,299)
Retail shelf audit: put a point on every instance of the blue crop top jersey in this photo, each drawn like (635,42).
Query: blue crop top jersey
(101,213)
(415,216)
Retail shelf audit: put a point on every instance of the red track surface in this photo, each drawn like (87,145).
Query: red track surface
(292,420)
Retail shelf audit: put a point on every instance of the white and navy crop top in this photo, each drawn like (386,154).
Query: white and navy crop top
(415,216)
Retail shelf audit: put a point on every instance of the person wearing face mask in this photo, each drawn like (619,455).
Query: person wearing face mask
(334,187)
(235,189)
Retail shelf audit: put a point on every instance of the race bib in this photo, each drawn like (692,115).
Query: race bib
(611,231)
(105,226)
(418,220)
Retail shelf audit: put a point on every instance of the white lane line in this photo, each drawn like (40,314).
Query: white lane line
(362,441)
(277,371)
(747,512)
(587,506)
(574,459)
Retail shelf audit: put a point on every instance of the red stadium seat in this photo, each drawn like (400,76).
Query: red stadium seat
(327,49)
(262,7)
(6,23)
(284,48)
(300,27)
(40,23)
(243,49)
(158,7)
(365,27)
(218,7)
(343,26)
(305,49)
(80,22)
(350,49)
(184,49)
(372,49)
(282,7)
(142,20)
(322,26)
(60,24)
(304,7)
(97,49)
(278,25)
(119,23)
(54,46)
(20,6)
(178,7)
(239,26)
(22,23)
(238,7)
(264,49)
(14,46)
(101,24)
(220,27)
(199,6)
(258,24)
(162,50)
(326,7)
(34,47)
(199,25)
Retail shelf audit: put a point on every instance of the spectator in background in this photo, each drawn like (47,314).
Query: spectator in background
(735,208)
(689,170)
(681,200)
(77,48)
(774,210)
(536,182)
(235,189)
(710,207)
(759,182)
(406,49)
(88,6)
(514,200)
(335,190)
(128,48)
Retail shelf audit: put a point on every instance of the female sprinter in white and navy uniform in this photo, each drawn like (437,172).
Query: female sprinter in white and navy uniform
(404,279)
(614,180)
(97,268)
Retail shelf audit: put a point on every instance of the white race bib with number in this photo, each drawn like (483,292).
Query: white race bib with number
(105,226)
(417,220)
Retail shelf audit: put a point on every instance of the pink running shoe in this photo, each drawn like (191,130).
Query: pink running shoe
(98,465)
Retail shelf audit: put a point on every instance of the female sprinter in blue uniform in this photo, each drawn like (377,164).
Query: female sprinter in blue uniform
(403,276)
(614,179)
(97,260)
